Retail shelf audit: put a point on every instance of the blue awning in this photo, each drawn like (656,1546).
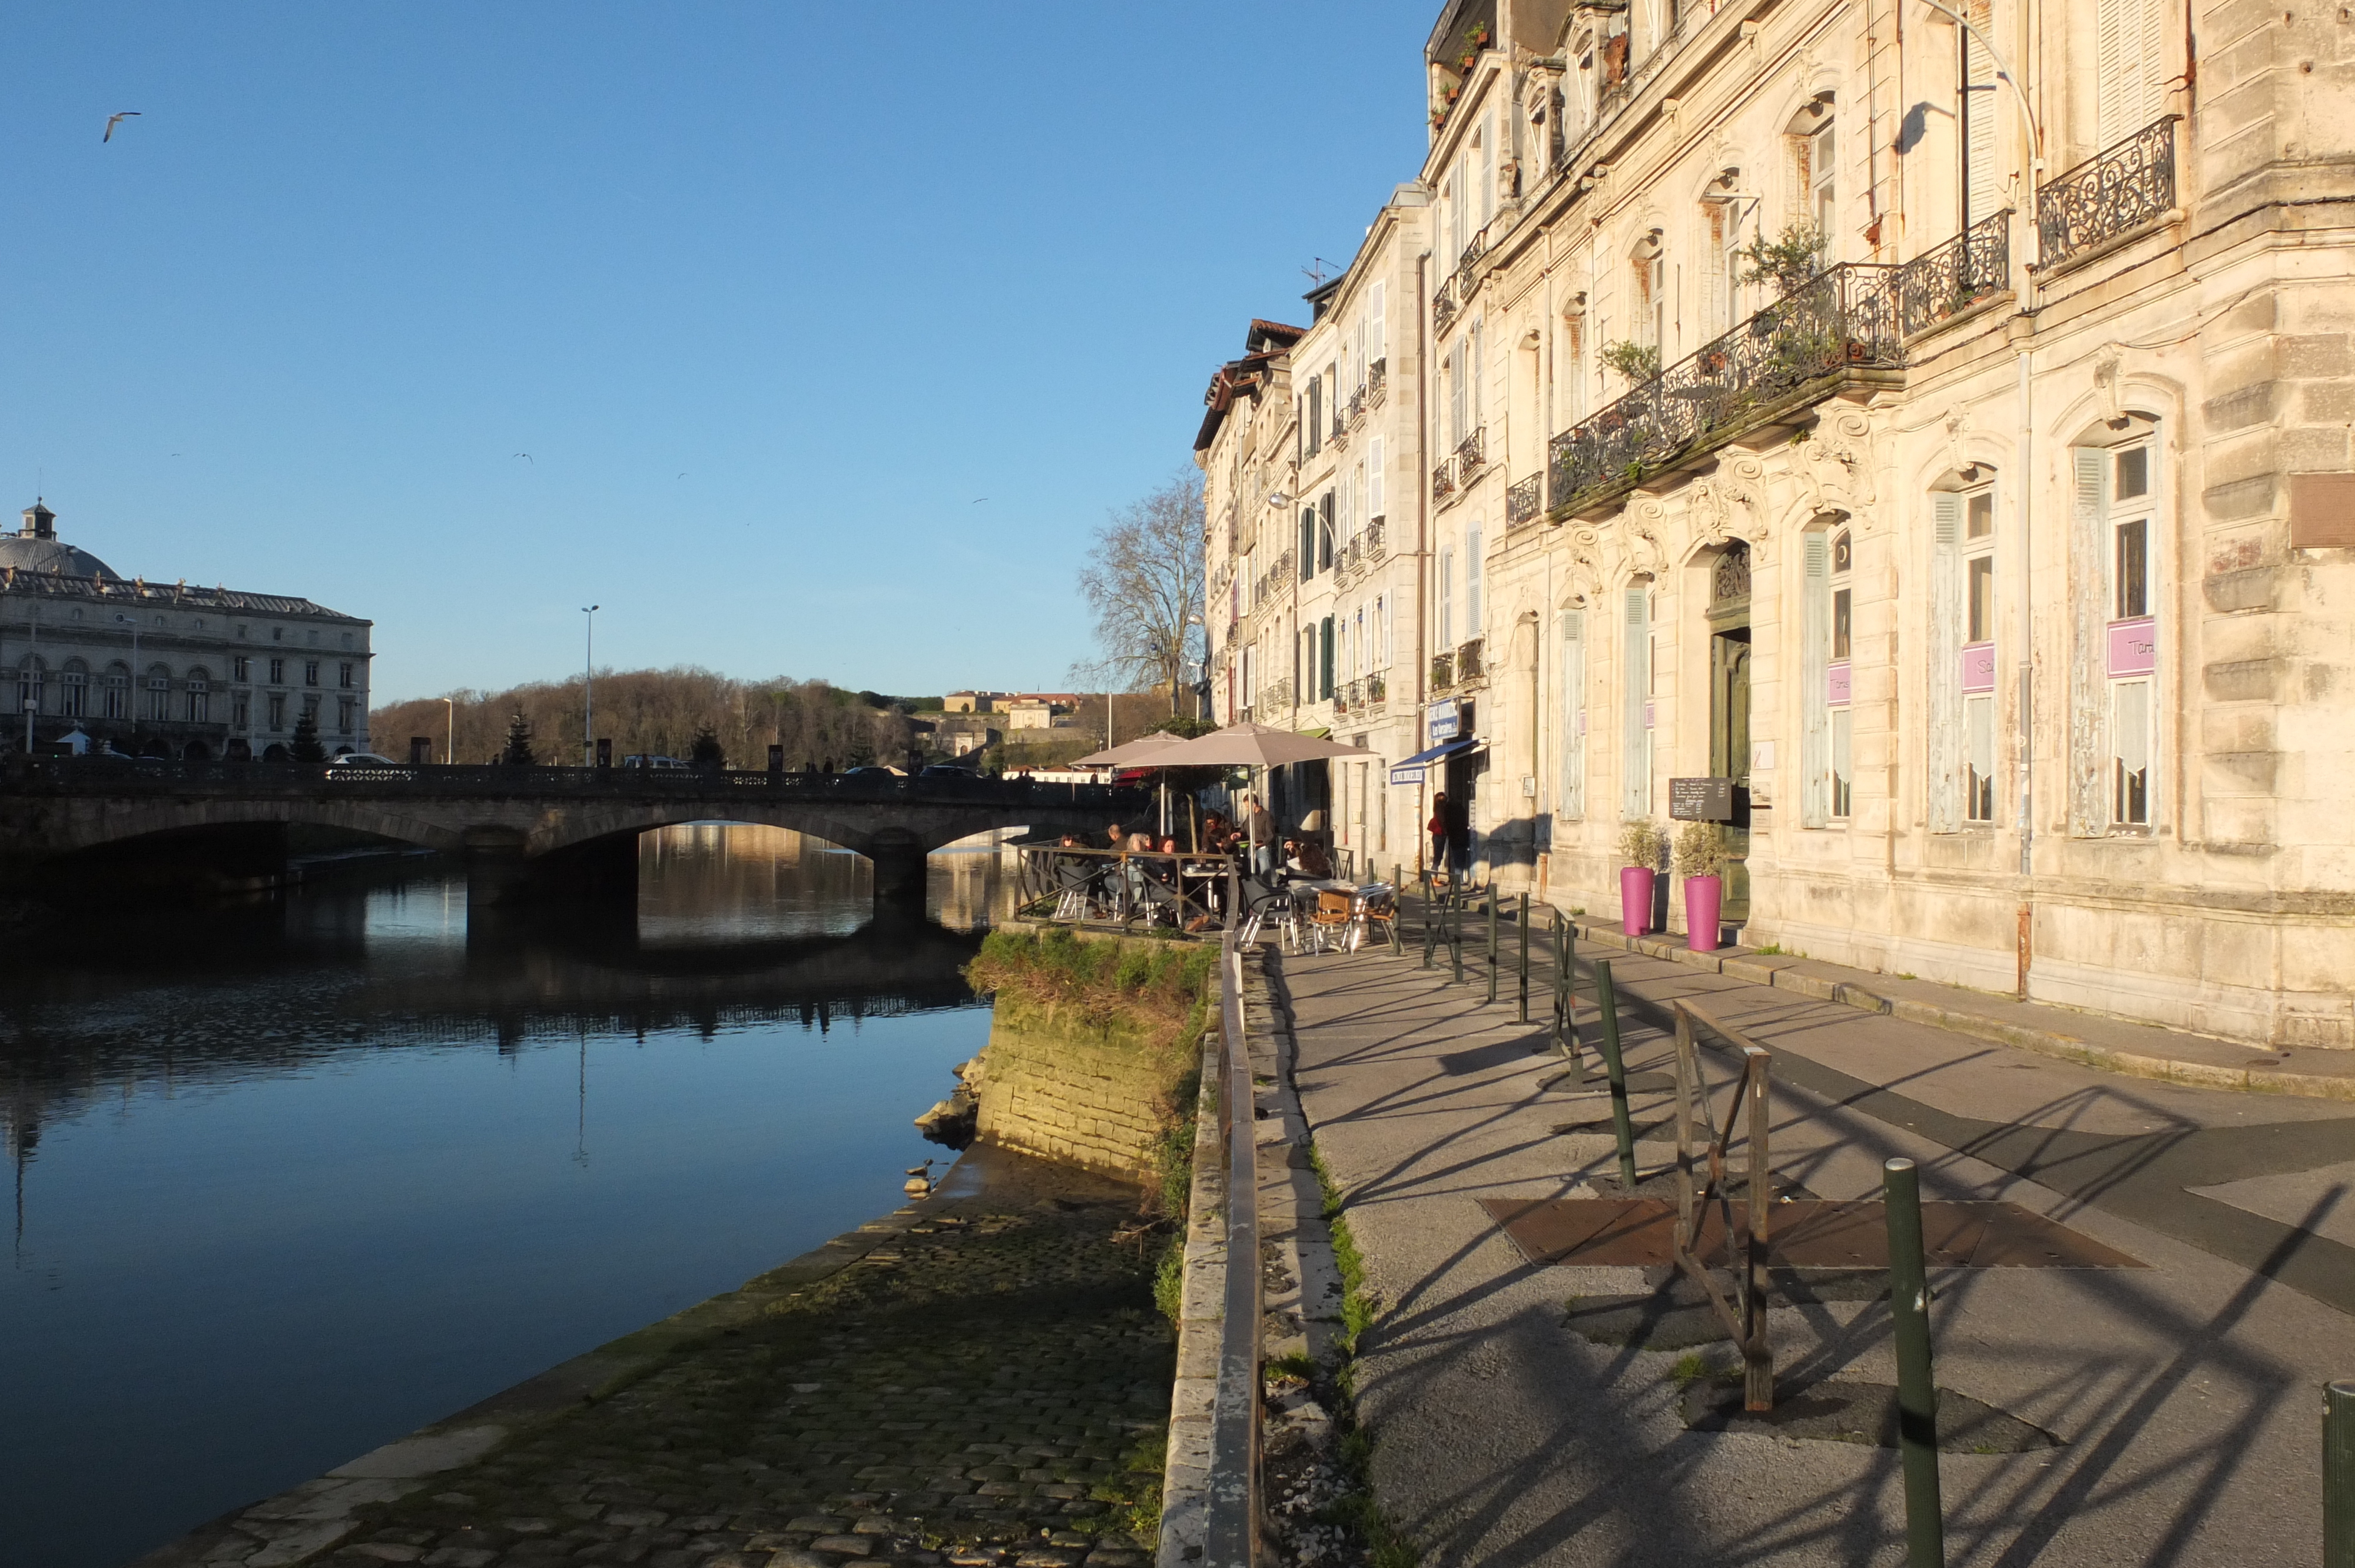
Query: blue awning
(1411,771)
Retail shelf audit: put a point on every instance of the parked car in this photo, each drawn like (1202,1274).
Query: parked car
(645,759)
(877,770)
(364,759)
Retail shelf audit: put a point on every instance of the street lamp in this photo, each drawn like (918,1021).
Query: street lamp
(589,687)
(132,621)
(449,740)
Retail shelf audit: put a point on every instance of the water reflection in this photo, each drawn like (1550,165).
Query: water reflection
(293,1178)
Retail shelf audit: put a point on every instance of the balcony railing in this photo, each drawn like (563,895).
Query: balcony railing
(1843,320)
(1467,266)
(1443,305)
(1467,663)
(1950,279)
(1524,501)
(1378,690)
(1348,695)
(2113,193)
(1374,377)
(1276,576)
(1442,673)
(1470,455)
(1273,697)
(1443,479)
(1374,538)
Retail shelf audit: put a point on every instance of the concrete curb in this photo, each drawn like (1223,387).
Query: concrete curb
(1201,1317)
(1783,974)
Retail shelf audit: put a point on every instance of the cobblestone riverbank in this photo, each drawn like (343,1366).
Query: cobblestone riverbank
(989,1386)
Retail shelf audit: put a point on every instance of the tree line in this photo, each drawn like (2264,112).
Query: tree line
(659,713)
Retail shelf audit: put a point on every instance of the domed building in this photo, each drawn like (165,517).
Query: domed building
(104,662)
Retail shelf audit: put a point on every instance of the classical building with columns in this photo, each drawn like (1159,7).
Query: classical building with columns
(1931,421)
(101,661)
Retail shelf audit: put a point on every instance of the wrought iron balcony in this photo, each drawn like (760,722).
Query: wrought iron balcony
(1443,305)
(1276,696)
(1442,673)
(1843,321)
(1973,265)
(1468,668)
(1525,500)
(1374,538)
(1443,479)
(1377,690)
(2114,192)
(1467,266)
(1375,374)
(1470,455)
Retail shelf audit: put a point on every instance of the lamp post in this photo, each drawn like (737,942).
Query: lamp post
(589,687)
(132,621)
(449,740)
(32,706)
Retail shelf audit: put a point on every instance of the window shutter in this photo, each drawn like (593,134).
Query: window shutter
(2129,46)
(1325,662)
(1325,533)
(1308,543)
(1374,478)
(1943,773)
(1814,664)
(1472,373)
(2089,595)
(1570,794)
(1381,330)
(1978,69)
(1636,749)
(1487,169)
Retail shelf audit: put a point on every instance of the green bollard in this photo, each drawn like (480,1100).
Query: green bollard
(1456,934)
(1492,946)
(2339,1474)
(1560,985)
(1606,997)
(1525,958)
(1430,928)
(1918,1393)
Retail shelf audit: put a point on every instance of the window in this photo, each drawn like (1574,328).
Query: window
(1484,145)
(278,634)
(347,636)
(1374,479)
(1570,794)
(1308,543)
(240,668)
(310,672)
(29,685)
(199,697)
(344,675)
(73,692)
(278,710)
(159,692)
(1446,614)
(1325,533)
(1312,424)
(1839,691)
(1471,573)
(345,707)
(240,708)
(1981,184)
(1652,296)
(116,689)
(2115,506)
(1978,659)
(310,636)
(1723,216)
(277,672)
(311,707)
(1324,660)
(1827,740)
(1378,325)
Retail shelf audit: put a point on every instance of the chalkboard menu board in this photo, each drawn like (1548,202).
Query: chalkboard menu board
(1700,799)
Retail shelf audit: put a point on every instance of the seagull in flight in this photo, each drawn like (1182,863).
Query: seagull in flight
(682,476)
(114,120)
(527,457)
(979,499)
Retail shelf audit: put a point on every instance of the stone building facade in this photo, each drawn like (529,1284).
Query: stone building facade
(192,674)
(1932,419)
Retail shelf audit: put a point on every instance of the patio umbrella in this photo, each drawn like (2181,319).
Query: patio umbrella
(1142,752)
(1252,745)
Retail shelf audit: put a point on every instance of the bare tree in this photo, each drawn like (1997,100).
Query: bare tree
(1143,582)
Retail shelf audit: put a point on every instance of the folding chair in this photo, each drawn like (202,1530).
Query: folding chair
(1331,922)
(1376,908)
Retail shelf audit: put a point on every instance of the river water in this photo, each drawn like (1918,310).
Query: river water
(293,1178)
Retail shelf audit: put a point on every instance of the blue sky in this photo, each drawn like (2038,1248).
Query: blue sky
(843,269)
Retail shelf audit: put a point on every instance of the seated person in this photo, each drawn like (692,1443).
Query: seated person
(1308,857)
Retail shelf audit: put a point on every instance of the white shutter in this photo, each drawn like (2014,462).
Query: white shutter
(1487,169)
(1986,186)
(2130,46)
(1570,792)
(2089,597)
(1944,780)
(1720,284)
(1472,369)
(1636,748)
(1379,345)
(1374,478)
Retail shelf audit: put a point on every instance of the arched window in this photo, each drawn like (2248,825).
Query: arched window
(200,696)
(1814,153)
(115,688)
(73,690)
(1570,793)
(1636,704)
(159,692)
(1649,296)
(31,671)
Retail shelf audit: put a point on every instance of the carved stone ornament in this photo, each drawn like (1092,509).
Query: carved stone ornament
(2106,385)
(1958,419)
(1537,94)
(1642,524)
(1835,466)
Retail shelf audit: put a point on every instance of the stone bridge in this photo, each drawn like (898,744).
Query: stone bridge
(523,834)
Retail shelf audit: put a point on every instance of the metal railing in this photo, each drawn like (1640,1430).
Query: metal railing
(1374,538)
(1467,266)
(1374,375)
(1180,890)
(1442,672)
(1842,320)
(1973,265)
(1746,1320)
(2117,190)
(1277,694)
(1470,454)
(1443,305)
(1525,500)
(1378,690)
(118,776)
(1467,661)
(1443,479)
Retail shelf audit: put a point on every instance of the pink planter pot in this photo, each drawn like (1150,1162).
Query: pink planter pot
(1634,899)
(1704,897)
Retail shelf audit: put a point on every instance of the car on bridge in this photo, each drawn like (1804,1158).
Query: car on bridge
(647,759)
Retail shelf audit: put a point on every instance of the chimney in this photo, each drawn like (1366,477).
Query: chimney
(40,523)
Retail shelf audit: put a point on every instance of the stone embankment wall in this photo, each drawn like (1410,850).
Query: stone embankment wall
(1098,1095)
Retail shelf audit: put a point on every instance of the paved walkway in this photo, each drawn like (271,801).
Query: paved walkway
(2182,1394)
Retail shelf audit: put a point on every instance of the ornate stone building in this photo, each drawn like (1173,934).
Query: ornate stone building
(1932,419)
(101,660)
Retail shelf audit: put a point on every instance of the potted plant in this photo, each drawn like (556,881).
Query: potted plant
(1640,845)
(1700,857)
